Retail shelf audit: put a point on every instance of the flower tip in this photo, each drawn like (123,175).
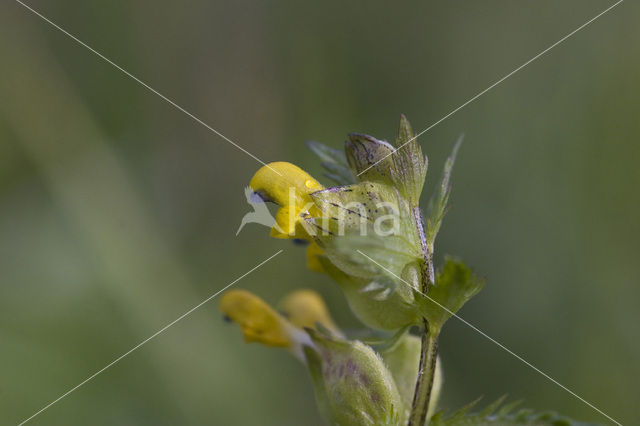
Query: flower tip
(288,186)
(274,180)
(306,309)
(313,261)
(257,320)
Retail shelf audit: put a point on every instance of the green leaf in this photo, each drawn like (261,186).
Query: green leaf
(455,285)
(334,161)
(439,204)
(494,415)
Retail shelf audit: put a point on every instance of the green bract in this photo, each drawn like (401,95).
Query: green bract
(410,166)
(373,301)
(358,217)
(456,284)
(334,161)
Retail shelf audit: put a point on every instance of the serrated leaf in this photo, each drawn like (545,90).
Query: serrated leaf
(494,415)
(334,161)
(439,203)
(455,285)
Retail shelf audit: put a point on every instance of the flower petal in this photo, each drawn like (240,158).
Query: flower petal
(276,179)
(288,186)
(313,263)
(258,321)
(305,309)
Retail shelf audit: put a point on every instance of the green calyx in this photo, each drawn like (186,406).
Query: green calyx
(378,302)
(402,166)
(353,386)
(372,239)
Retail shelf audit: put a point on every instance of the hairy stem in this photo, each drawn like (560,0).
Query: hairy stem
(426,372)
(429,350)
(428,275)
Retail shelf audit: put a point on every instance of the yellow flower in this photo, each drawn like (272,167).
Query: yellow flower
(290,189)
(305,309)
(313,263)
(288,186)
(353,386)
(260,323)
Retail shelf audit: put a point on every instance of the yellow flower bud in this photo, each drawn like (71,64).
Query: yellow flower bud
(305,309)
(258,321)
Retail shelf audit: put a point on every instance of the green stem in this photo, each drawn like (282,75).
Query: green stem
(426,373)
(429,349)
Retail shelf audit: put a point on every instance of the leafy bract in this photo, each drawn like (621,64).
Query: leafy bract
(410,166)
(370,218)
(455,285)
(378,302)
(334,161)
(438,205)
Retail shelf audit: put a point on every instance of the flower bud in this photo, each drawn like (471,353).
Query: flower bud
(306,309)
(353,386)
(257,320)
(369,158)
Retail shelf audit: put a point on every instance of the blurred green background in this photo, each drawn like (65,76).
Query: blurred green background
(118,213)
